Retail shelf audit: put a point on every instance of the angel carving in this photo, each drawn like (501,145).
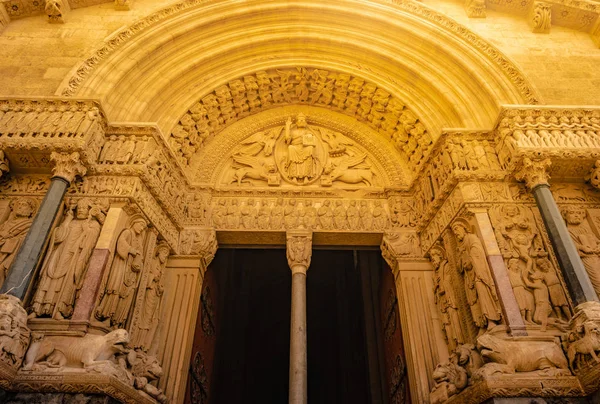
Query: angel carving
(260,141)
(350,169)
(254,168)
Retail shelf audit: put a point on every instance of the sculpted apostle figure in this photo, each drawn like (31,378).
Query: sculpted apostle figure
(586,242)
(13,232)
(301,164)
(144,330)
(445,297)
(479,285)
(65,265)
(122,279)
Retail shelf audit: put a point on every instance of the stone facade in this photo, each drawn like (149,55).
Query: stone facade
(133,141)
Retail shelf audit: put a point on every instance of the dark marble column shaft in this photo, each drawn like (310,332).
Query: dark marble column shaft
(26,260)
(576,277)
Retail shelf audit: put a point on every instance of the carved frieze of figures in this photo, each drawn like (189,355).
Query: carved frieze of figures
(62,119)
(445,297)
(586,241)
(14,334)
(328,214)
(14,230)
(299,154)
(122,281)
(533,277)
(64,267)
(552,129)
(340,92)
(130,149)
(478,283)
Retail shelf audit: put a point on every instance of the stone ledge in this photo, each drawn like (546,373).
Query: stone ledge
(519,386)
(73,382)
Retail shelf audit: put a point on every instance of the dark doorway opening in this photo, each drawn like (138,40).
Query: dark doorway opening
(347,317)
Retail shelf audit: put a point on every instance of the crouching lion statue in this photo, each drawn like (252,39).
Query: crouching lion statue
(507,356)
(75,352)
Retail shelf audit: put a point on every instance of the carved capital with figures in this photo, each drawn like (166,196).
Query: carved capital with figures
(201,242)
(67,166)
(534,172)
(299,250)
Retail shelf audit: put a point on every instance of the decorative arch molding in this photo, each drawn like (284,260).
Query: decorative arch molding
(387,162)
(155,69)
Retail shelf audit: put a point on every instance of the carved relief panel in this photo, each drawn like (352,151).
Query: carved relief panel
(299,154)
(532,270)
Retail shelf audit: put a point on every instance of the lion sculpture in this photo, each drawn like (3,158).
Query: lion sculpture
(76,352)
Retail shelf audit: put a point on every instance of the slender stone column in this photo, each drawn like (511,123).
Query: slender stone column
(66,167)
(506,295)
(299,251)
(535,176)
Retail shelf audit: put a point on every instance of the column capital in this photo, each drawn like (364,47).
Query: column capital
(67,166)
(199,242)
(534,172)
(299,250)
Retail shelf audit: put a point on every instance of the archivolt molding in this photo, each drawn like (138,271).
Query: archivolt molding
(443,79)
(213,158)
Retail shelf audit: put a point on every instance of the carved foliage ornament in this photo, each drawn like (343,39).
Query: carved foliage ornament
(534,172)
(299,251)
(67,166)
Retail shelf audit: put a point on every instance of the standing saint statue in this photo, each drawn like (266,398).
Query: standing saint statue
(479,285)
(13,232)
(65,264)
(122,278)
(144,329)
(445,297)
(301,164)
(586,242)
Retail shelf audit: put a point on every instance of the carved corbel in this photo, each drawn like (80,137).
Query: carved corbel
(122,5)
(594,176)
(299,250)
(475,8)
(534,172)
(540,18)
(67,166)
(55,10)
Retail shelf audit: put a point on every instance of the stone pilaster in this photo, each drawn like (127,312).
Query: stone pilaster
(299,252)
(65,168)
(535,175)
(421,332)
(183,285)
